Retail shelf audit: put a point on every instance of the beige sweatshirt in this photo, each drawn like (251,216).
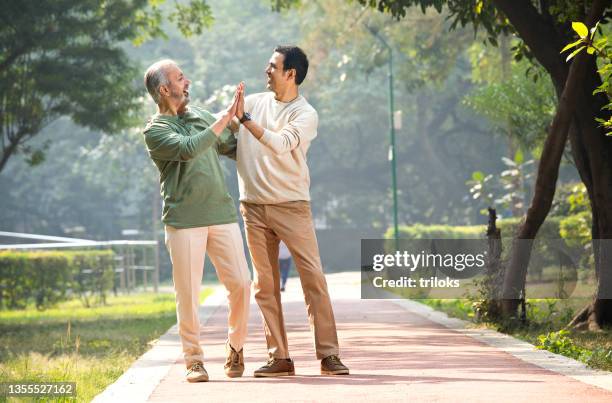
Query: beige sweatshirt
(273,169)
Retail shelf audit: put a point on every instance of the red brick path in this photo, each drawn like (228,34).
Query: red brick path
(393,355)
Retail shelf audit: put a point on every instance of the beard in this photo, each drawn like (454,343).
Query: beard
(181,100)
(185,100)
(180,97)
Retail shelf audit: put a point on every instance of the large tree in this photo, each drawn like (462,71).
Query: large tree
(65,58)
(544,27)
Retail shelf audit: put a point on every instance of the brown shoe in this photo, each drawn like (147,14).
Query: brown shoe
(234,364)
(333,366)
(276,367)
(197,373)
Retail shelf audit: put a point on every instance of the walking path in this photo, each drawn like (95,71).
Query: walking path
(396,351)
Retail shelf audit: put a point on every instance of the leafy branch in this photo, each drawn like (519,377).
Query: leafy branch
(600,48)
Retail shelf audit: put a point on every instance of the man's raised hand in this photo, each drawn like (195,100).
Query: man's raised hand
(231,111)
(240,107)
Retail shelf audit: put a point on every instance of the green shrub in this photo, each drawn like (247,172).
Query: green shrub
(94,276)
(570,198)
(48,277)
(438,231)
(49,272)
(559,343)
(548,230)
(508,227)
(576,228)
(15,283)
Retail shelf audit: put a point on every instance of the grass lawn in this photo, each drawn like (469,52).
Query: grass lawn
(546,320)
(90,346)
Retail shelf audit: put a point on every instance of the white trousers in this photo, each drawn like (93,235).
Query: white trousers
(187,248)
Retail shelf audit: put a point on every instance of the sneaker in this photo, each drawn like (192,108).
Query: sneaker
(333,366)
(276,367)
(197,373)
(234,364)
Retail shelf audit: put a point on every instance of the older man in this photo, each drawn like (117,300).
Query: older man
(199,215)
(278,127)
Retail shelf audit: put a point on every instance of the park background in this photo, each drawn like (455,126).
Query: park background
(476,107)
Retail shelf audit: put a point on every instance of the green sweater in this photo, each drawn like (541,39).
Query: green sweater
(186,152)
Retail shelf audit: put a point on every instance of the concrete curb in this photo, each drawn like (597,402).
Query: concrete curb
(517,348)
(140,380)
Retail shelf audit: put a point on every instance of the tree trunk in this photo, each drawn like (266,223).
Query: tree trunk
(490,309)
(548,172)
(592,151)
(7,151)
(587,145)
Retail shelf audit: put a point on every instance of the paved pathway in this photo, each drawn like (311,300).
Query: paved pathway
(395,351)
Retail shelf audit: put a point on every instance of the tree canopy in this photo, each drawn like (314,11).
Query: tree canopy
(66,58)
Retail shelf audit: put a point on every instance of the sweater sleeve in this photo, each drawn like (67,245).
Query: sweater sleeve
(167,145)
(301,129)
(227,144)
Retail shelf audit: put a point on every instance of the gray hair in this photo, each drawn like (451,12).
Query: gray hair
(155,76)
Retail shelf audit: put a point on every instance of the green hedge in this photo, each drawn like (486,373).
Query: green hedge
(571,228)
(550,229)
(577,228)
(438,231)
(46,278)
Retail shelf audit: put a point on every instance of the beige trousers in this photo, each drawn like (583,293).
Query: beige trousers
(266,225)
(187,248)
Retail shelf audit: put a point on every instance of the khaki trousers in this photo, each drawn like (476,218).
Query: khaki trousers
(187,248)
(266,225)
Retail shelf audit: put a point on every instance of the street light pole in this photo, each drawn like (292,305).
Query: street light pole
(391,132)
(392,150)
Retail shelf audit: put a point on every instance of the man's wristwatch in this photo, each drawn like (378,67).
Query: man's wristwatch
(246,116)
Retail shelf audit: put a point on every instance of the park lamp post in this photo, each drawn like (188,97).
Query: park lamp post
(395,122)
